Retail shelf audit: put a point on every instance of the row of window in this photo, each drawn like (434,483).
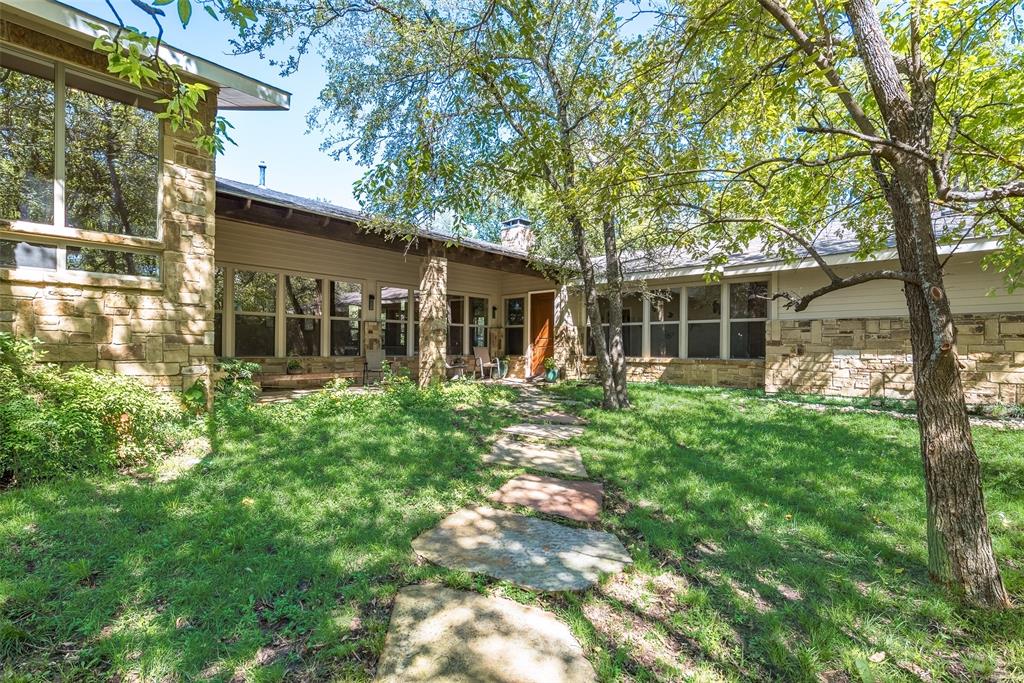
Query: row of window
(78,153)
(687,322)
(57,256)
(309,328)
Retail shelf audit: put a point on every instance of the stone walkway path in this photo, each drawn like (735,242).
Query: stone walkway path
(440,634)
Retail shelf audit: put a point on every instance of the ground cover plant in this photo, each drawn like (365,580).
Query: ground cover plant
(770,543)
(54,422)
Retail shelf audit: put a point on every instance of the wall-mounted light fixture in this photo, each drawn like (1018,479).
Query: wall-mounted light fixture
(494,312)
(372,300)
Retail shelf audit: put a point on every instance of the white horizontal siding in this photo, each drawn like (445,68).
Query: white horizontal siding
(968,287)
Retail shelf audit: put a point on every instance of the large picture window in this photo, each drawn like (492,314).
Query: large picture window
(478,322)
(303,310)
(255,294)
(704,320)
(748,311)
(394,306)
(515,323)
(346,309)
(665,313)
(79,153)
(456,325)
(632,325)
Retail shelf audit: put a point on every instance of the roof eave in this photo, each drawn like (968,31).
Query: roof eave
(237,91)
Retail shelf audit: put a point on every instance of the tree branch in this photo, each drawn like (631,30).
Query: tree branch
(800,303)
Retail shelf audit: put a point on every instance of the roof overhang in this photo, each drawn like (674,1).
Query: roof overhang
(246,207)
(237,91)
(970,246)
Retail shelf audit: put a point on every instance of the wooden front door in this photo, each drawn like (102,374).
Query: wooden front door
(542,330)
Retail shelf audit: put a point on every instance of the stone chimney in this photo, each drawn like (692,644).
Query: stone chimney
(517,233)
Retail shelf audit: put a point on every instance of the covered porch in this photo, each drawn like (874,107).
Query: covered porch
(300,283)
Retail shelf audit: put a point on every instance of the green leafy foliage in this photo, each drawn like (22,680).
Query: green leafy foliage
(55,422)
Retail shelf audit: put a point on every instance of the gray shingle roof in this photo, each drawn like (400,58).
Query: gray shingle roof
(235,188)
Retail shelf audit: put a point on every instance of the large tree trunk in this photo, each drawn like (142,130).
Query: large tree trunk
(959,544)
(604,373)
(618,397)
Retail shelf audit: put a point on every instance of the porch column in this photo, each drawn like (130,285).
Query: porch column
(433,315)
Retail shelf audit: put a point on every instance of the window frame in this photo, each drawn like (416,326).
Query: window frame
(411,322)
(280,342)
(58,234)
(329,319)
(470,326)
(506,327)
(321,318)
(723,321)
(767,313)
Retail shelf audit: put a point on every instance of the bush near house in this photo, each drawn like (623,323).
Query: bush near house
(54,422)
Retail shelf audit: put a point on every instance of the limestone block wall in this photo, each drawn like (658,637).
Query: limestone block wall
(159,330)
(872,357)
(735,373)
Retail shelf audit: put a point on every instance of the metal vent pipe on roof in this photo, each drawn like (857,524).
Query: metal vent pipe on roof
(263,174)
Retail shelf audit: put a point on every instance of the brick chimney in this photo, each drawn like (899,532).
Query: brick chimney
(517,233)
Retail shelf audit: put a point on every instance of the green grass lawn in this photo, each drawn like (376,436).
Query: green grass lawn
(771,542)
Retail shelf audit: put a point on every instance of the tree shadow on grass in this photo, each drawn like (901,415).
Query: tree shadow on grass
(282,545)
(803,532)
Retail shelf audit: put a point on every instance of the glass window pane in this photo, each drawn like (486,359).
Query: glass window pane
(665,340)
(455,341)
(395,338)
(514,341)
(477,336)
(27,255)
(632,308)
(218,288)
(302,336)
(394,303)
(94,260)
(703,340)
(302,295)
(345,338)
(632,336)
(746,340)
(255,291)
(218,334)
(27,135)
(456,309)
(254,335)
(478,311)
(112,157)
(747,300)
(416,338)
(704,303)
(515,312)
(665,306)
(346,299)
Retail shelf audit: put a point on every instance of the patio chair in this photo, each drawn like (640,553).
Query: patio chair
(372,366)
(484,362)
(455,367)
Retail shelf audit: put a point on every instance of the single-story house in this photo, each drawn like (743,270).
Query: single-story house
(121,249)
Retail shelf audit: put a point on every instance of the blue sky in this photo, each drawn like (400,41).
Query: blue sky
(294,161)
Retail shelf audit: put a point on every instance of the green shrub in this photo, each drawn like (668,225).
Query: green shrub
(237,388)
(54,422)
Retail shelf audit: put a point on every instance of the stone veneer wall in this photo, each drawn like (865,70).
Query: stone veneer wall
(735,373)
(161,332)
(871,357)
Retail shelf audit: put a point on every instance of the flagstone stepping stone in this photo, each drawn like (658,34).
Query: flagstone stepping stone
(530,552)
(536,456)
(440,634)
(543,431)
(559,418)
(578,500)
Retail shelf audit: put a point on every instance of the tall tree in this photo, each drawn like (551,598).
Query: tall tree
(459,109)
(813,113)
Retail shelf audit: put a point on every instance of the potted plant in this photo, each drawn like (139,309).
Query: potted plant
(503,366)
(550,369)
(294,366)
